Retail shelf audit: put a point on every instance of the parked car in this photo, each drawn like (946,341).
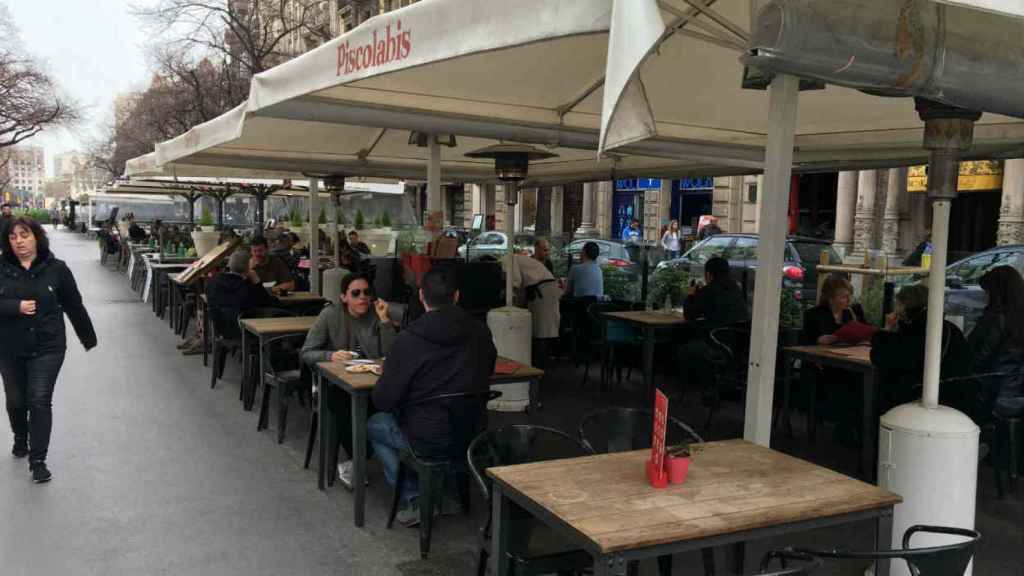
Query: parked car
(964,296)
(799,269)
(612,253)
(494,245)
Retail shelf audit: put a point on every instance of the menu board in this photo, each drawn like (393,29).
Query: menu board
(656,465)
(210,260)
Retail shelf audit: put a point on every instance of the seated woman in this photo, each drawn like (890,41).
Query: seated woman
(841,400)
(998,344)
(898,353)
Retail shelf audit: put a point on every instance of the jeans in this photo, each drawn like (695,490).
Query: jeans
(388,440)
(671,254)
(28,385)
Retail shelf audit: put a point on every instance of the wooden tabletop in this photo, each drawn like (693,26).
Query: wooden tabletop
(268,326)
(857,355)
(733,485)
(301,298)
(366,381)
(648,317)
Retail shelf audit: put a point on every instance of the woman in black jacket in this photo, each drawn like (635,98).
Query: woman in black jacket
(998,344)
(36,290)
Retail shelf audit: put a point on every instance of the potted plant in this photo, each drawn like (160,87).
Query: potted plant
(385,220)
(360,220)
(322,219)
(677,461)
(206,237)
(295,220)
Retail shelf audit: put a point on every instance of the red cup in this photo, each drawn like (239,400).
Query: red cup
(677,468)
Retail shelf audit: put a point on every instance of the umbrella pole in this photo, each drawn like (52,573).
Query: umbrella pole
(783,95)
(314,235)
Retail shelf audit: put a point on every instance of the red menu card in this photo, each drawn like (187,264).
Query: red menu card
(656,465)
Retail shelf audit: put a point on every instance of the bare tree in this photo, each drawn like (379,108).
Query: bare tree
(30,100)
(253,34)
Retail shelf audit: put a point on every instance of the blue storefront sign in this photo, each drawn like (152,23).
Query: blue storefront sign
(637,184)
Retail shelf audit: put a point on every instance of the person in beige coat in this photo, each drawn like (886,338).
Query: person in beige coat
(537,290)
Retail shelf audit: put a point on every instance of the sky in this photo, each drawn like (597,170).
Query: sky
(93,48)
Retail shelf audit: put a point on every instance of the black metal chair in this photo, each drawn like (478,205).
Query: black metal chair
(467,416)
(225,337)
(805,564)
(314,422)
(523,444)
(285,380)
(609,338)
(946,560)
(616,429)
(730,354)
(252,353)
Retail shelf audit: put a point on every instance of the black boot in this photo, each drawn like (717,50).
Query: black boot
(20,449)
(40,473)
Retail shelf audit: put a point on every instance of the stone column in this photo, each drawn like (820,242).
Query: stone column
(896,188)
(605,191)
(588,226)
(846,206)
(1011,213)
(865,225)
(557,198)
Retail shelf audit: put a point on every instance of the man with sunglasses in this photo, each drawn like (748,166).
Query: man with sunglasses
(357,326)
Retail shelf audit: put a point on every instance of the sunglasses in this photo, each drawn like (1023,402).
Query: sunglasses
(359,292)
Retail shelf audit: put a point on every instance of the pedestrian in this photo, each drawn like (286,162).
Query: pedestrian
(36,290)
(5,217)
(631,233)
(923,247)
(710,229)
(670,242)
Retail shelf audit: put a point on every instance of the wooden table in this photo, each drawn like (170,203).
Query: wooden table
(854,359)
(736,491)
(293,299)
(301,298)
(649,322)
(360,386)
(262,329)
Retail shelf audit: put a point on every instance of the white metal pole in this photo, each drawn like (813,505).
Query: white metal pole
(783,96)
(936,301)
(434,176)
(314,235)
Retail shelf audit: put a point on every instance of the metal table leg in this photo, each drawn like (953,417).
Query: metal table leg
(245,366)
(359,408)
(204,312)
(326,421)
(501,509)
(649,361)
(883,540)
(869,434)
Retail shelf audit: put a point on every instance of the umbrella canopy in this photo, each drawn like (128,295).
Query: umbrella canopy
(536,74)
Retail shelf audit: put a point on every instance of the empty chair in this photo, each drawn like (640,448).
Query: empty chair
(284,378)
(521,445)
(791,563)
(946,560)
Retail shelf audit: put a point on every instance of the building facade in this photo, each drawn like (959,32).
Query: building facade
(24,171)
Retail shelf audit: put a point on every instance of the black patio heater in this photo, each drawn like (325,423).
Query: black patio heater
(511,165)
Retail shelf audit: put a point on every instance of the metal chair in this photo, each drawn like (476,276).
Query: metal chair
(252,359)
(731,352)
(225,337)
(467,416)
(314,422)
(609,337)
(284,381)
(946,560)
(523,444)
(616,429)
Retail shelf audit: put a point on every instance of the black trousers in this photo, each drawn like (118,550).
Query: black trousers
(28,385)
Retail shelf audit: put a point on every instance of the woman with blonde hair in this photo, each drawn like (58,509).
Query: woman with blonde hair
(835,309)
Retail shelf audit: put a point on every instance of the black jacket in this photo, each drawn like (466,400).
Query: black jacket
(718,304)
(50,283)
(819,321)
(995,352)
(899,357)
(445,351)
(234,291)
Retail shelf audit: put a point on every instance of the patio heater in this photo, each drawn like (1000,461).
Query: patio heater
(512,327)
(929,453)
(335,185)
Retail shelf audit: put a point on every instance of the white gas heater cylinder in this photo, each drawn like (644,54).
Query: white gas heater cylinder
(512,329)
(929,456)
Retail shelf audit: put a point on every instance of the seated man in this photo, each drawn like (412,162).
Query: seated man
(358,245)
(268,268)
(586,278)
(135,232)
(445,351)
(234,291)
(342,331)
(718,303)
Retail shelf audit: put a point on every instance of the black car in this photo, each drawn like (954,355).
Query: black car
(964,296)
(799,270)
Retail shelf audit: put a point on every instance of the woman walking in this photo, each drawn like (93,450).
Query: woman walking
(36,290)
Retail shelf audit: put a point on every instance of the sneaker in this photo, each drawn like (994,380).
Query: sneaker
(409,516)
(196,348)
(20,449)
(345,471)
(185,344)
(40,473)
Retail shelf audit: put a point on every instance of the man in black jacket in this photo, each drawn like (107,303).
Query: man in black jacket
(445,351)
